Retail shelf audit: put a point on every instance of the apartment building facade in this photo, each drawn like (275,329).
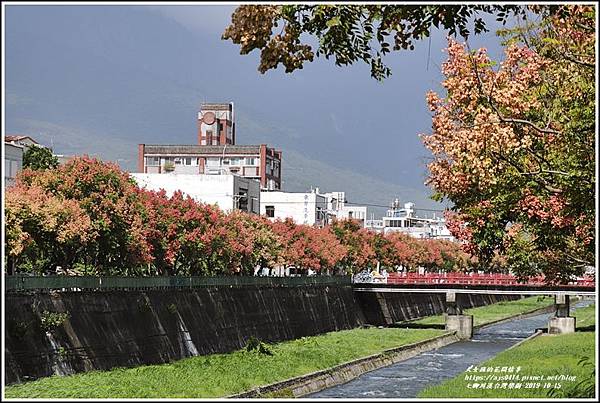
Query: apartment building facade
(257,162)
(308,208)
(216,152)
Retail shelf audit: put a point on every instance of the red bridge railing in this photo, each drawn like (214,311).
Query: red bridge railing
(477,279)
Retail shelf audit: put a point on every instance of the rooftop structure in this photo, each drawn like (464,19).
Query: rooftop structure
(216,124)
(215,153)
(21,140)
(403,219)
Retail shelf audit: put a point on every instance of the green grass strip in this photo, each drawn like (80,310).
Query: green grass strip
(547,355)
(220,375)
(501,310)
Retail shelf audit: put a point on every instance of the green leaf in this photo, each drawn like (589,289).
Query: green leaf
(335,21)
(550,41)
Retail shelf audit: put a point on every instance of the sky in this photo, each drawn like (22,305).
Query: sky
(104,78)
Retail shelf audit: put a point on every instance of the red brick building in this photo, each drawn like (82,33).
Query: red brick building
(216,124)
(216,152)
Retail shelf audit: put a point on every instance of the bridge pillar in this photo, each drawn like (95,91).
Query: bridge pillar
(561,322)
(455,320)
(387,317)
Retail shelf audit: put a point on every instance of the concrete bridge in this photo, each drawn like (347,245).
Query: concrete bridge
(497,284)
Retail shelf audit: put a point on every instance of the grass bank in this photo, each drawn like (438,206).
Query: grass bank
(220,375)
(545,356)
(491,313)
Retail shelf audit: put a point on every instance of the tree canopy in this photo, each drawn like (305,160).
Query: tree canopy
(353,32)
(89,217)
(36,157)
(513,146)
(512,142)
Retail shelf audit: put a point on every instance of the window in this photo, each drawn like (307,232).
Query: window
(250,161)
(215,141)
(213,162)
(225,161)
(349,214)
(242,199)
(270,211)
(178,160)
(152,161)
(168,165)
(187,161)
(209,133)
(236,161)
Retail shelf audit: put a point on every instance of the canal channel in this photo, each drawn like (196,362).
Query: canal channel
(406,379)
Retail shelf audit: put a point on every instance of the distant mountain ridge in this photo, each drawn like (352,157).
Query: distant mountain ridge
(80,87)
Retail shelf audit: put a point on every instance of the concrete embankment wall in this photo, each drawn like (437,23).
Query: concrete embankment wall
(386,308)
(129,328)
(108,329)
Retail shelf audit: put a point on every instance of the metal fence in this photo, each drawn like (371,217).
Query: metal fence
(75,283)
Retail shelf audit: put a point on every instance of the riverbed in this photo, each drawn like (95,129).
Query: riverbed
(406,379)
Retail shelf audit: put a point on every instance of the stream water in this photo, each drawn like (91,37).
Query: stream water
(408,378)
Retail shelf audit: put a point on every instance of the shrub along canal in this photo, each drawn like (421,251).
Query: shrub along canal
(408,378)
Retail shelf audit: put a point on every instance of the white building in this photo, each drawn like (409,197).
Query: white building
(308,208)
(228,192)
(20,140)
(358,213)
(13,162)
(374,225)
(403,219)
(335,200)
(15,146)
(337,207)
